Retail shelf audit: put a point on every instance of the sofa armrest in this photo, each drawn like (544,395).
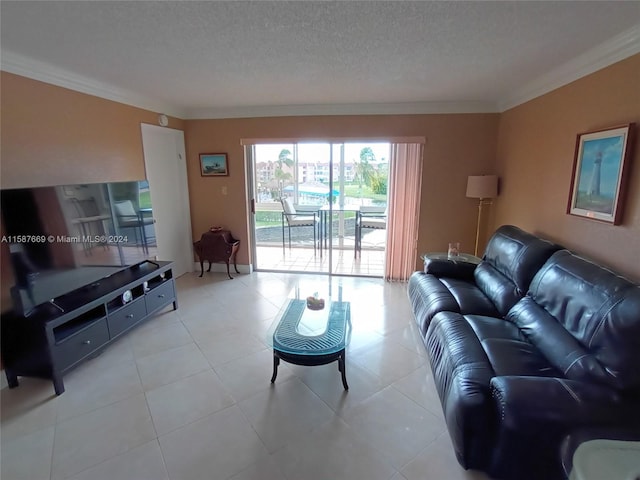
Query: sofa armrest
(536,403)
(536,413)
(577,437)
(450,269)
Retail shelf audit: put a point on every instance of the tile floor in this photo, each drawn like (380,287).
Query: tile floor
(370,263)
(186,396)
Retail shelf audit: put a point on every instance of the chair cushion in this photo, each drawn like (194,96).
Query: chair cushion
(301,220)
(125,208)
(371,209)
(373,222)
(288,207)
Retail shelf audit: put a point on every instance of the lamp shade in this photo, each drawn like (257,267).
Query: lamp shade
(482,186)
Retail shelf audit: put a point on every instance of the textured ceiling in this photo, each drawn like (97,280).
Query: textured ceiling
(224,55)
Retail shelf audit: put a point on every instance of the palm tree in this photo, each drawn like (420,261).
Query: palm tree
(364,171)
(284,159)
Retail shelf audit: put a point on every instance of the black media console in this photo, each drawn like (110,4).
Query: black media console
(77,326)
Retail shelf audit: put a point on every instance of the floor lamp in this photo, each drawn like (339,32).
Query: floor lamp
(484,187)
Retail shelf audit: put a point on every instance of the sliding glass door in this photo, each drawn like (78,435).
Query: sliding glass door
(309,202)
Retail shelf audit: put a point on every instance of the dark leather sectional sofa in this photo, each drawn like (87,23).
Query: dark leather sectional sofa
(526,348)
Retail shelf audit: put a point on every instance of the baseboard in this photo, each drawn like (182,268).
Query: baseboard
(222,268)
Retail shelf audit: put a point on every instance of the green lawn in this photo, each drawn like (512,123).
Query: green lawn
(274,218)
(354,191)
(270,219)
(145,199)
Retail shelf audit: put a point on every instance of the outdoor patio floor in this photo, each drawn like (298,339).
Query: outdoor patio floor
(302,259)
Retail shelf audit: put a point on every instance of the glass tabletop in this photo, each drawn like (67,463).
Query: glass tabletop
(460,258)
(313,320)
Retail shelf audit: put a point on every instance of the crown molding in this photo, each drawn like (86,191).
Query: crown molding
(617,48)
(416,108)
(47,73)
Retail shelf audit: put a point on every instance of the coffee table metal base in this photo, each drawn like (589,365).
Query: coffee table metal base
(311,360)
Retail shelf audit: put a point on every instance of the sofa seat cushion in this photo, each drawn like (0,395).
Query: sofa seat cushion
(430,295)
(508,350)
(462,373)
(470,299)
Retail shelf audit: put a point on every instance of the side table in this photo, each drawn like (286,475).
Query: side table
(460,258)
(600,459)
(217,246)
(443,265)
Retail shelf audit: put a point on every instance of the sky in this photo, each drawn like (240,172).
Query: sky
(611,149)
(319,152)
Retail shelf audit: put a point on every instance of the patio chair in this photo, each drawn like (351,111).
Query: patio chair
(90,222)
(128,217)
(371,217)
(293,218)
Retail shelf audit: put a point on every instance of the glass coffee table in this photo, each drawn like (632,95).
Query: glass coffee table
(310,332)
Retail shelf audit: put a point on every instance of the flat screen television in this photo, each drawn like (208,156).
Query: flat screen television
(62,238)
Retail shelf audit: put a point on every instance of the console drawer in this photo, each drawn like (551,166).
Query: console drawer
(160,296)
(81,344)
(126,317)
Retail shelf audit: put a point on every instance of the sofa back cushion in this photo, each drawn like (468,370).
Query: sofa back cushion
(510,261)
(596,314)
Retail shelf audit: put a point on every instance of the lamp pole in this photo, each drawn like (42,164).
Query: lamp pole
(483,187)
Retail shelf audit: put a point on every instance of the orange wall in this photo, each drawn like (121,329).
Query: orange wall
(457,145)
(536,144)
(54,136)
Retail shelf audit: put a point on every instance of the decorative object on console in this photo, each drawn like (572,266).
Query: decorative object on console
(217,246)
(483,187)
(214,165)
(127,296)
(315,303)
(598,180)
(454,249)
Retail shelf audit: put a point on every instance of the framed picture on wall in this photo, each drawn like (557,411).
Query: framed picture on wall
(599,168)
(214,165)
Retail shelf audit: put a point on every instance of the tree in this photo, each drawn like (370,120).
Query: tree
(284,160)
(364,171)
(379,183)
(367,155)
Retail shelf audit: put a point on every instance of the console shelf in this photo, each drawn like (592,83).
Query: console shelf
(80,324)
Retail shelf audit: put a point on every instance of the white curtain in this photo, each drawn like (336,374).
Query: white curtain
(405,179)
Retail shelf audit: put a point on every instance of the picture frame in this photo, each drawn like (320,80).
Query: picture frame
(214,165)
(598,179)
